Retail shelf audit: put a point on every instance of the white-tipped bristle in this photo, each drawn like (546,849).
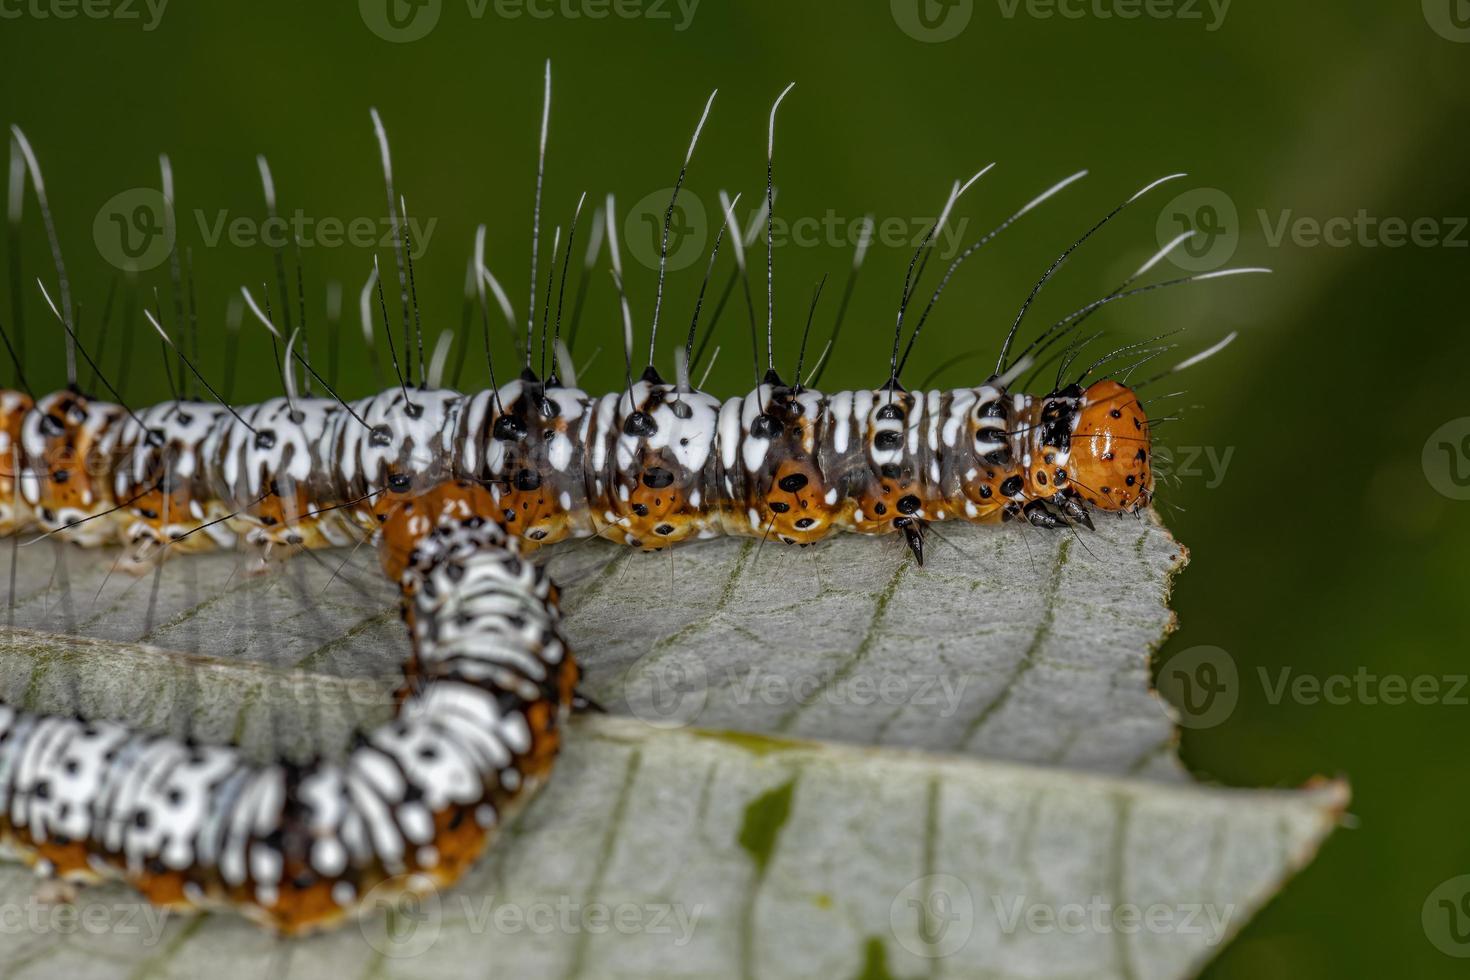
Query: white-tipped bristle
(613,250)
(771,127)
(1206,354)
(594,238)
(364,306)
(546,108)
(49,302)
(1056,188)
(267,182)
(817,367)
(709,367)
(704,117)
(949,203)
(148,315)
(15,198)
(956,192)
(259,315)
(478,262)
(500,296)
(737,236)
(440,358)
(288,373)
(565,368)
(971,182)
(1160,255)
(381,135)
(1015,371)
(166,177)
(758,221)
(1224,273)
(1149,187)
(865,240)
(30,158)
(681,368)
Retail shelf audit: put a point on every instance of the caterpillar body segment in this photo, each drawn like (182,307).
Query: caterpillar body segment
(648,467)
(297,847)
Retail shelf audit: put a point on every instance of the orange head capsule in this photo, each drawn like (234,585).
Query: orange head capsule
(1109,455)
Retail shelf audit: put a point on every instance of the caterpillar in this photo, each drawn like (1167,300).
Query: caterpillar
(458,489)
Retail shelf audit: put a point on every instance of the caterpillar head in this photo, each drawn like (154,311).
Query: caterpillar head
(1109,455)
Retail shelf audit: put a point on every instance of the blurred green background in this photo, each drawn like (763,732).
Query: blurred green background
(1316,502)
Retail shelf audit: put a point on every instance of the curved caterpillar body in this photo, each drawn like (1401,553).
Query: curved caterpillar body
(490,679)
(296,847)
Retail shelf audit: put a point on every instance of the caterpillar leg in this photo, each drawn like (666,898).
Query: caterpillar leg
(913,532)
(1072,509)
